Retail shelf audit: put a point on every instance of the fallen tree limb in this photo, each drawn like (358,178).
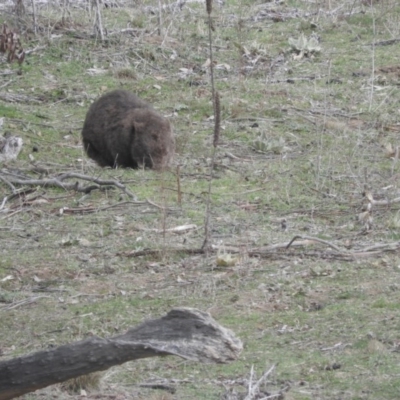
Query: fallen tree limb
(280,250)
(183,332)
(60,181)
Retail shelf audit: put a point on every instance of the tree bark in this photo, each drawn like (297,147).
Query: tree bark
(184,332)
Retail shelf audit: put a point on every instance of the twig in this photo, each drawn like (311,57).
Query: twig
(12,187)
(316,240)
(178,185)
(385,42)
(382,247)
(112,182)
(88,210)
(16,212)
(250,389)
(37,48)
(23,302)
(384,202)
(152,252)
(217,123)
(159,386)
(34,17)
(372,59)
(233,157)
(6,84)
(98,25)
(7,198)
(159,17)
(273,251)
(3,203)
(255,389)
(155,205)
(126,30)
(58,181)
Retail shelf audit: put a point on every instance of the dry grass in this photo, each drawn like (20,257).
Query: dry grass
(308,146)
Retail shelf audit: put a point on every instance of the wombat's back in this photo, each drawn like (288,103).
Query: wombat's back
(116,103)
(119,130)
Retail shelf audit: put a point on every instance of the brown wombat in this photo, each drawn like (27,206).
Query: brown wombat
(121,130)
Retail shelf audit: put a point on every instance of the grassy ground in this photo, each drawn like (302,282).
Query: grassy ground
(308,143)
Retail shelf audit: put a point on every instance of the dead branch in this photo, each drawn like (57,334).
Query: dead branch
(279,250)
(35,49)
(159,386)
(89,210)
(314,239)
(184,332)
(386,42)
(59,181)
(98,24)
(19,8)
(23,302)
(18,98)
(387,202)
(233,157)
(154,252)
(4,180)
(254,390)
(133,31)
(34,17)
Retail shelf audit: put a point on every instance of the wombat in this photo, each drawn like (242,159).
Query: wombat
(121,130)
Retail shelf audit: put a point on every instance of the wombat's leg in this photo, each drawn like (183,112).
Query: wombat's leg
(140,149)
(94,154)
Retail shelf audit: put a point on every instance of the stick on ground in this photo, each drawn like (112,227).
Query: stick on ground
(183,332)
(60,181)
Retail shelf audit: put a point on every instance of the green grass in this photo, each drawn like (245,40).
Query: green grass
(305,309)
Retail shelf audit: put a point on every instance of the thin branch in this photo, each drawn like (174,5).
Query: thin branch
(58,181)
(217,121)
(12,187)
(276,251)
(314,239)
(254,390)
(98,24)
(20,303)
(34,17)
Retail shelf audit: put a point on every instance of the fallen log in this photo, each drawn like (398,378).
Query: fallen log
(183,332)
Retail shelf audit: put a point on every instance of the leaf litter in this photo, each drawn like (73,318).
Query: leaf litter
(327,275)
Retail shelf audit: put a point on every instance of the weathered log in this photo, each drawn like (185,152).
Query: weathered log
(183,332)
